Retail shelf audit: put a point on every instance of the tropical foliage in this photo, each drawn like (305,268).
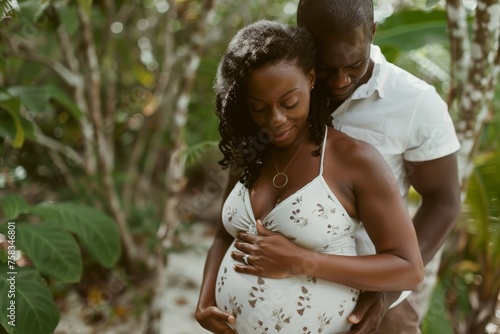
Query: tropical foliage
(51,242)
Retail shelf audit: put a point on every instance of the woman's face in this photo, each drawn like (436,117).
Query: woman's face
(278,98)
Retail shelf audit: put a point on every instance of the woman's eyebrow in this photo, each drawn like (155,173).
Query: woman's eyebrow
(282,96)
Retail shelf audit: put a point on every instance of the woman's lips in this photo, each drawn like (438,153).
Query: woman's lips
(280,136)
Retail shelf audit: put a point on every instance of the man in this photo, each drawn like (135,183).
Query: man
(405,119)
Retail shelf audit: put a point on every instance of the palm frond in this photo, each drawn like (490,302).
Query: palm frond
(194,152)
(7,8)
(483,206)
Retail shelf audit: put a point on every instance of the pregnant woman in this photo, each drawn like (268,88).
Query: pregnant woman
(295,179)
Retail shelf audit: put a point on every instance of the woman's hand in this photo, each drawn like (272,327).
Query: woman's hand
(215,320)
(270,254)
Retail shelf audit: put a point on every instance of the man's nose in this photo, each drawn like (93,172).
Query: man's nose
(338,79)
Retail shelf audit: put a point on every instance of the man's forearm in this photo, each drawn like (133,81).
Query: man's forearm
(433,222)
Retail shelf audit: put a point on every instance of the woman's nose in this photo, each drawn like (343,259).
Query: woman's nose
(277,118)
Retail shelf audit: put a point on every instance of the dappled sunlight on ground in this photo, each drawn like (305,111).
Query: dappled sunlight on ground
(184,281)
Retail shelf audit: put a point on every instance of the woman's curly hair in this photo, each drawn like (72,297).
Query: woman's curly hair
(264,42)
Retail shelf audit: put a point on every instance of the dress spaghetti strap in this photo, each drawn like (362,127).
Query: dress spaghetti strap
(323,151)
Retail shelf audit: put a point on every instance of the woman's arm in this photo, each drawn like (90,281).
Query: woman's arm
(396,266)
(207,314)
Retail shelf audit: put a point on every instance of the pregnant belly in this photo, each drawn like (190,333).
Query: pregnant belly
(296,304)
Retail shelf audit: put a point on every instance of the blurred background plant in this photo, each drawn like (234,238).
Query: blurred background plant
(108,105)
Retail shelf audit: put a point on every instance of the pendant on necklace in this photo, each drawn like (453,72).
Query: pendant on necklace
(280,176)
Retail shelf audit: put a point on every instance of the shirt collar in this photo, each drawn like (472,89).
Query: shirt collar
(377,80)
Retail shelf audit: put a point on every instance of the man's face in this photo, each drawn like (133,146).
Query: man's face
(343,62)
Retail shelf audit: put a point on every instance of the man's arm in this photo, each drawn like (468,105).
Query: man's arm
(437,183)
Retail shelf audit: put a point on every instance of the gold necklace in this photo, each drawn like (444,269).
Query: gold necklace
(282,174)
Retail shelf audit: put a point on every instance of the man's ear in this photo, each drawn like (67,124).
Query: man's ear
(374,29)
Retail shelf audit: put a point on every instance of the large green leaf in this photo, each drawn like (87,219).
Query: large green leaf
(35,310)
(37,98)
(9,102)
(12,206)
(68,17)
(411,29)
(11,105)
(96,231)
(12,125)
(9,128)
(53,251)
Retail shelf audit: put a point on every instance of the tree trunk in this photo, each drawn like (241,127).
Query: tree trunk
(174,176)
(475,66)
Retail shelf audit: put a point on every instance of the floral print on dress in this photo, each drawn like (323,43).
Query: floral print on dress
(323,211)
(252,229)
(297,201)
(281,319)
(260,327)
(304,330)
(323,321)
(355,295)
(222,278)
(230,212)
(341,309)
(257,291)
(298,219)
(333,229)
(311,279)
(304,301)
(235,308)
(268,223)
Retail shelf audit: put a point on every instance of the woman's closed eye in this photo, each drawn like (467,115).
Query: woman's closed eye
(257,109)
(290,104)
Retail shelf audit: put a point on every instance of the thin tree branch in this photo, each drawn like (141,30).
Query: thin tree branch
(68,51)
(174,172)
(161,119)
(24,51)
(103,149)
(162,95)
(57,146)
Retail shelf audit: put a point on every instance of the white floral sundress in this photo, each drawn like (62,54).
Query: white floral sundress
(313,218)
